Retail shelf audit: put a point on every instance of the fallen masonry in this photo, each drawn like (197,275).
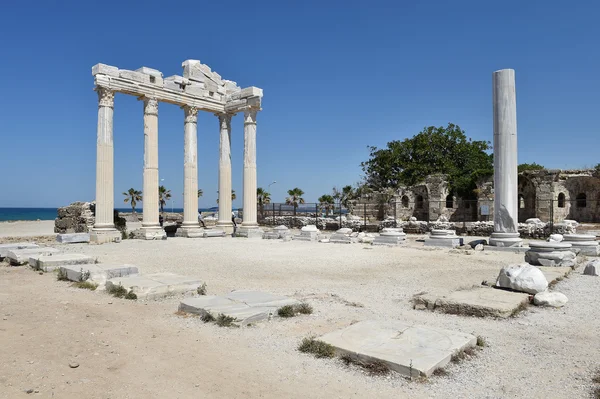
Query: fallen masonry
(550,254)
(245,307)
(390,236)
(477,301)
(308,233)
(5,248)
(17,257)
(343,236)
(47,263)
(407,349)
(154,286)
(98,272)
(443,238)
(72,238)
(585,243)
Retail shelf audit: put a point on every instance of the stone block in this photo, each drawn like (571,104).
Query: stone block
(410,350)
(105,236)
(192,70)
(18,257)
(5,248)
(234,105)
(51,262)
(154,286)
(553,273)
(135,76)
(260,299)
(251,92)
(552,299)
(196,90)
(72,238)
(522,278)
(150,71)
(103,69)
(592,268)
(213,233)
(171,85)
(478,301)
(98,272)
(338,238)
(190,232)
(249,232)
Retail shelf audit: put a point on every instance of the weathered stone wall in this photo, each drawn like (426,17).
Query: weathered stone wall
(75,218)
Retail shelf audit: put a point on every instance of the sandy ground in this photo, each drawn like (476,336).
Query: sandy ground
(143,350)
(27,228)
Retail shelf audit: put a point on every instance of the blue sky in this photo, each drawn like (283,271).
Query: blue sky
(337,76)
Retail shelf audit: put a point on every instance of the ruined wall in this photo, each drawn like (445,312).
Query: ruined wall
(75,218)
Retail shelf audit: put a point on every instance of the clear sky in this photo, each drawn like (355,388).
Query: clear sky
(337,76)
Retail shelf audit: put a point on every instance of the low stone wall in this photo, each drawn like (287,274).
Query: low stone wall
(75,218)
(322,223)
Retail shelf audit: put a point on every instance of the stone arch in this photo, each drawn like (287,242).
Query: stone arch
(404,201)
(450,201)
(582,191)
(419,203)
(527,198)
(561,200)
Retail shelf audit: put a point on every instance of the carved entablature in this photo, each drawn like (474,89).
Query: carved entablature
(199,87)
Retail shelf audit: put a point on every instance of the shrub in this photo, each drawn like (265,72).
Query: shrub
(86,285)
(318,348)
(225,321)
(286,311)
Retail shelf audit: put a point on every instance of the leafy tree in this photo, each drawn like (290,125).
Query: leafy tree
(597,169)
(295,198)
(132,196)
(441,149)
(163,196)
(345,196)
(200,193)
(529,166)
(233,196)
(262,197)
(326,202)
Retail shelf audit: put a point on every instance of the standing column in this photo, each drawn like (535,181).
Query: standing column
(505,160)
(150,224)
(224,221)
(104,227)
(190,226)
(249,225)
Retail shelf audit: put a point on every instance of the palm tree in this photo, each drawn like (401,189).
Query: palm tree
(200,192)
(327,203)
(233,196)
(133,196)
(262,197)
(295,198)
(163,196)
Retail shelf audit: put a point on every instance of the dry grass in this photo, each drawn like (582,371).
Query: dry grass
(372,368)
(318,348)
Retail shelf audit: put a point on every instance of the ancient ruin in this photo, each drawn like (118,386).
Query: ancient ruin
(199,89)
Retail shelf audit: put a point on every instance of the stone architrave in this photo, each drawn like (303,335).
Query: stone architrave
(224,221)
(190,226)
(104,228)
(150,225)
(505,160)
(249,226)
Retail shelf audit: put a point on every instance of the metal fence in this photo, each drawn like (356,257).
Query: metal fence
(457,211)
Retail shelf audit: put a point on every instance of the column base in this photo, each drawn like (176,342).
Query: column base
(153,233)
(190,232)
(102,236)
(227,226)
(249,232)
(499,239)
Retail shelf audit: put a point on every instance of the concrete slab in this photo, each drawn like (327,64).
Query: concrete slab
(154,286)
(47,263)
(72,238)
(407,349)
(5,248)
(18,257)
(245,307)
(99,272)
(480,302)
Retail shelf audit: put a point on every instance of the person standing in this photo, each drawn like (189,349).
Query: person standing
(234,223)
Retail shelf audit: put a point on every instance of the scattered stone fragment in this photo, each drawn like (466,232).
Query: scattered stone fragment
(522,278)
(17,257)
(51,262)
(158,285)
(5,248)
(407,349)
(552,299)
(73,365)
(592,268)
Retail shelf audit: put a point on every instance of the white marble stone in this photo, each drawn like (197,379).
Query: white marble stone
(72,238)
(158,285)
(214,233)
(551,299)
(443,238)
(505,160)
(390,237)
(5,248)
(408,349)
(249,200)
(550,253)
(224,221)
(50,262)
(585,243)
(99,273)
(522,278)
(17,257)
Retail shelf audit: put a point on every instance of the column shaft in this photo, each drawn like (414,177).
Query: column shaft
(505,160)
(249,219)
(190,172)
(105,161)
(151,205)
(225,173)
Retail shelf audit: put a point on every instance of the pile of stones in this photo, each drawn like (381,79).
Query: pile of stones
(75,218)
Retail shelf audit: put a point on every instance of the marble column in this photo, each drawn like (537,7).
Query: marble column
(224,221)
(506,232)
(190,226)
(104,227)
(249,226)
(150,225)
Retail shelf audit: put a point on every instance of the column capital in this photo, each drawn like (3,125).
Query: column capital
(191,114)
(106,97)
(150,105)
(224,120)
(250,116)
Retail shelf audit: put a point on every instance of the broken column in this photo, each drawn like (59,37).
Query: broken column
(505,160)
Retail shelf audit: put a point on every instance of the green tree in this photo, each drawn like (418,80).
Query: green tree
(327,203)
(262,197)
(597,169)
(163,196)
(295,198)
(200,193)
(233,196)
(441,149)
(529,166)
(132,196)
(345,196)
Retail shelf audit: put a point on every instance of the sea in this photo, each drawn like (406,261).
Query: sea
(10,214)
